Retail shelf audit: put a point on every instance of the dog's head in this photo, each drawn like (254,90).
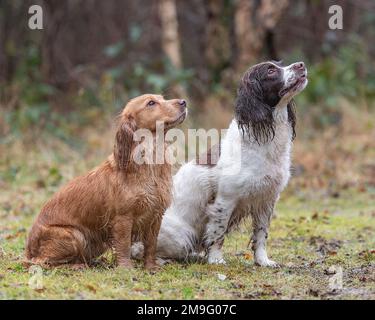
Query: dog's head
(144,112)
(264,88)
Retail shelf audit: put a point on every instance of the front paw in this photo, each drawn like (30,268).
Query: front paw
(214,260)
(152,267)
(126,264)
(215,257)
(78,266)
(266,263)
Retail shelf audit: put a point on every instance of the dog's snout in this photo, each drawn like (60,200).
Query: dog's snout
(182,103)
(300,66)
(299,69)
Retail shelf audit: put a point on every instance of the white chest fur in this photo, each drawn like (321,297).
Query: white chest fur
(251,168)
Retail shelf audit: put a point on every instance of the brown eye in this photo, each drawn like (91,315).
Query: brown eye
(151,103)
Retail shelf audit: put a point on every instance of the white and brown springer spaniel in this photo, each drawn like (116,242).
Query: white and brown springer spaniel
(207,201)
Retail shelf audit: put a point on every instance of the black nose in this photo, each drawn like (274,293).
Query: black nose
(299,66)
(182,103)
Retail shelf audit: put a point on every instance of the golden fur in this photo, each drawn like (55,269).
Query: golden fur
(112,204)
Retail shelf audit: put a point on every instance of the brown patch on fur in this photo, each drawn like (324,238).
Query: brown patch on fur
(111,205)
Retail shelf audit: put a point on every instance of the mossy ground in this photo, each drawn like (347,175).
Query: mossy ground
(307,237)
(325,218)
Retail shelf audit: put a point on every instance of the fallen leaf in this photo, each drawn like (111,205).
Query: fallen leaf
(362,189)
(91,288)
(267,286)
(40,184)
(251,295)
(18,233)
(269,290)
(335,194)
(325,246)
(314,292)
(248,256)
(237,285)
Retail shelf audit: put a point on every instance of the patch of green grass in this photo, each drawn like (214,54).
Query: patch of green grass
(309,235)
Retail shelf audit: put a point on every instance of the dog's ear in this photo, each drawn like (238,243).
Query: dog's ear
(124,143)
(253,115)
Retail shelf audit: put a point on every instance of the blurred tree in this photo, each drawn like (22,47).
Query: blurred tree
(56,64)
(170,34)
(171,38)
(124,44)
(252,21)
(218,45)
(11,35)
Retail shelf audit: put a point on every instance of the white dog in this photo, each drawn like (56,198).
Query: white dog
(253,168)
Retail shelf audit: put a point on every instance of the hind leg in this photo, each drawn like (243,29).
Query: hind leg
(59,245)
(219,214)
(261,222)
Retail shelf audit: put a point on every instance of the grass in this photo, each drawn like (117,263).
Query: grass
(316,227)
(307,237)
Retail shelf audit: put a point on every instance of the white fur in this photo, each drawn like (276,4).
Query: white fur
(208,200)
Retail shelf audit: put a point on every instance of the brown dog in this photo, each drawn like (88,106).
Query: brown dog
(114,203)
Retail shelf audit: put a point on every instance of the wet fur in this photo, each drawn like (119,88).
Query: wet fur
(112,205)
(207,203)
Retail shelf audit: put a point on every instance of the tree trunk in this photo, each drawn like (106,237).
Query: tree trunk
(217,44)
(170,36)
(253,19)
(11,38)
(55,66)
(171,40)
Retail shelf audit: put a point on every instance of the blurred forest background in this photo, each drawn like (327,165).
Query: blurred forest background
(62,86)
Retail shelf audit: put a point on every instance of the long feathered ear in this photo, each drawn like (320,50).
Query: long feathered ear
(253,115)
(292,117)
(124,143)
